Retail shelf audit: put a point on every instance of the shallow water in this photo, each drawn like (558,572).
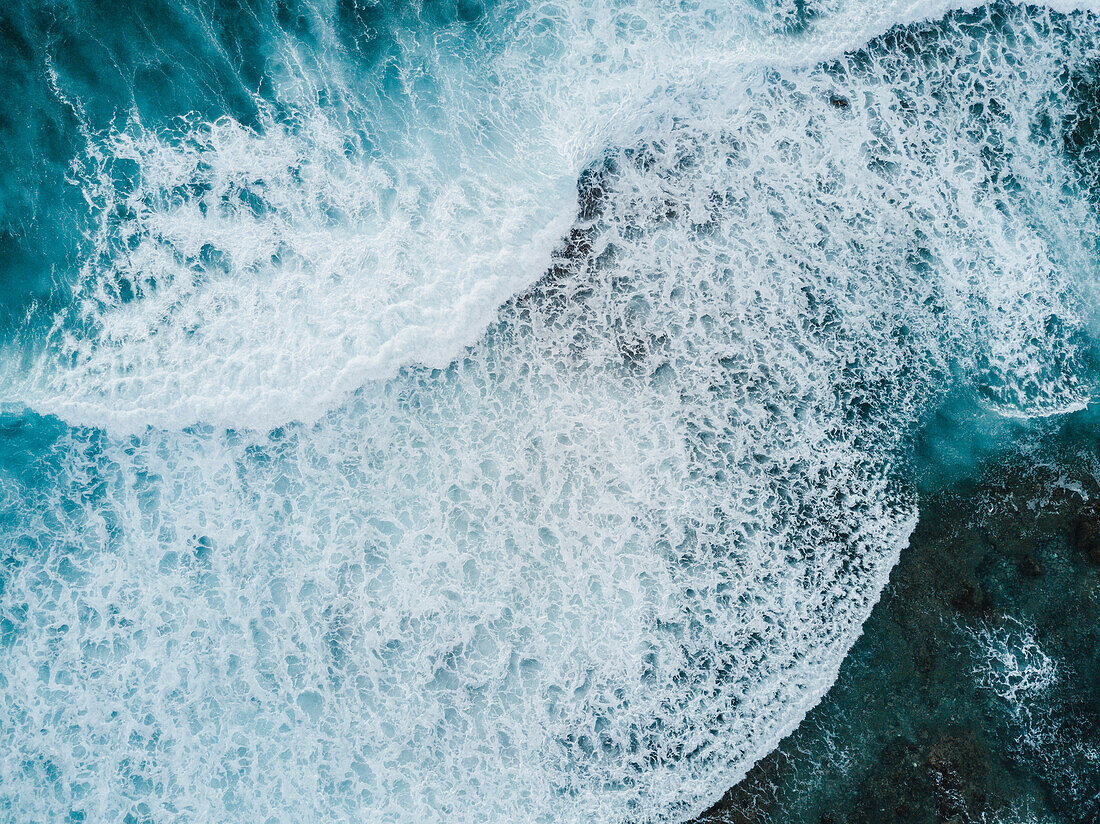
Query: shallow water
(509,412)
(973,693)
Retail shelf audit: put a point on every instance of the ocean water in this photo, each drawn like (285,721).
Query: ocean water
(456,412)
(973,693)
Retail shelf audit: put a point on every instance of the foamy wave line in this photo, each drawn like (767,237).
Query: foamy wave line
(249,279)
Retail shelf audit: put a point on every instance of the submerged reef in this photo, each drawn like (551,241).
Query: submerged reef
(974,693)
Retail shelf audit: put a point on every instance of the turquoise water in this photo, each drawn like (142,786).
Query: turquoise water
(446,412)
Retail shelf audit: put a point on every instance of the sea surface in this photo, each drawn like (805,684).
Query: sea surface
(513,411)
(973,694)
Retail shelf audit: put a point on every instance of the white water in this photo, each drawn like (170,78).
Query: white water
(279,270)
(594,566)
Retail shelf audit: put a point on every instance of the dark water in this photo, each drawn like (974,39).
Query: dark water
(974,693)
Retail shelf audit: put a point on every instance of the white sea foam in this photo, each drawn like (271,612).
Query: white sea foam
(250,277)
(1030,690)
(1014,667)
(594,565)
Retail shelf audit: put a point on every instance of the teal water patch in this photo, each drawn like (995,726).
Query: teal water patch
(74,70)
(961,437)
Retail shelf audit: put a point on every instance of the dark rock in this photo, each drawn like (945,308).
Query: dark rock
(925,659)
(922,743)
(1029,567)
(969,598)
(1087,533)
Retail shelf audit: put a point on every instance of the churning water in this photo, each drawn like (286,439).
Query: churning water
(455,412)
